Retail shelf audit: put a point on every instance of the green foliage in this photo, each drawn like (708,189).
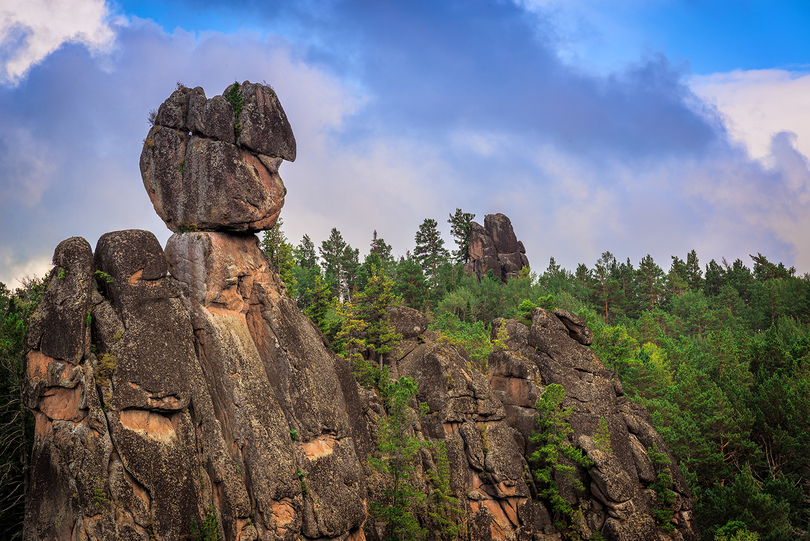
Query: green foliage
(16,420)
(99,497)
(88,319)
(234,96)
(366,332)
(501,337)
(547,302)
(525,311)
(101,275)
(735,530)
(473,337)
(294,434)
(444,508)
(602,436)
(301,478)
(209,529)
(411,284)
(744,500)
(105,368)
(274,244)
(663,488)
(555,457)
(460,224)
(61,275)
(430,250)
(397,450)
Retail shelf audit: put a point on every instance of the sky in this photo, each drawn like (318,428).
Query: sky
(631,126)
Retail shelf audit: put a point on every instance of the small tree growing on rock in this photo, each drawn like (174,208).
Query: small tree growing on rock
(555,456)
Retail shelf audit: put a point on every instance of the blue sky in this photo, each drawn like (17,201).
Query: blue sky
(640,126)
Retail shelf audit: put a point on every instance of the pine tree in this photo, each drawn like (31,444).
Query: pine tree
(693,274)
(274,244)
(396,453)
(460,230)
(651,282)
(430,251)
(553,448)
(366,331)
(305,255)
(410,283)
(607,291)
(332,251)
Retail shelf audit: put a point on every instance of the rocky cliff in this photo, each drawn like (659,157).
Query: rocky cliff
(495,247)
(180,387)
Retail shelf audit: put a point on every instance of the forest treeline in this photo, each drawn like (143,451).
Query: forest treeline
(719,354)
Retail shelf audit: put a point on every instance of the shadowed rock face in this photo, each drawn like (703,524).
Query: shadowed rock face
(495,247)
(205,168)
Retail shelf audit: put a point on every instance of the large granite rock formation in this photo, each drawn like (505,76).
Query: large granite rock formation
(181,386)
(494,247)
(212,165)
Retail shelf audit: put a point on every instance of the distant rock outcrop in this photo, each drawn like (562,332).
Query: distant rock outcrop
(495,247)
(212,165)
(184,385)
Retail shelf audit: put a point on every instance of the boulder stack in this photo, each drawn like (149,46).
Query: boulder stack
(184,387)
(495,247)
(212,164)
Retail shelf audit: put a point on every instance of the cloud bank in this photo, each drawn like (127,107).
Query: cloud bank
(405,111)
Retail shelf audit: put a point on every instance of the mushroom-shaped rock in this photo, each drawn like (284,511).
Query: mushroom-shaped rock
(212,164)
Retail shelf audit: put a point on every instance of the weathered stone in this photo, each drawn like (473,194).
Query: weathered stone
(608,473)
(218,120)
(499,227)
(64,304)
(196,106)
(408,322)
(172,113)
(577,329)
(265,128)
(208,179)
(448,387)
(162,165)
(495,248)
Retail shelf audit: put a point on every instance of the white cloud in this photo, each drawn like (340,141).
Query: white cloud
(758,104)
(13,269)
(30,30)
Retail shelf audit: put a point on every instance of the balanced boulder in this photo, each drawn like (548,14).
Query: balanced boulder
(212,164)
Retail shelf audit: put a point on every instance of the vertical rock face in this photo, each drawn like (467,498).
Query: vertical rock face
(181,386)
(495,247)
(618,499)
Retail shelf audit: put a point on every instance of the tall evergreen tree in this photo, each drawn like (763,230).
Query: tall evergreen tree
(651,282)
(430,250)
(607,292)
(410,282)
(694,276)
(460,230)
(305,255)
(332,252)
(274,244)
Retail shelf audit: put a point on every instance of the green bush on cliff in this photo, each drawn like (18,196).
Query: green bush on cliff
(553,431)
